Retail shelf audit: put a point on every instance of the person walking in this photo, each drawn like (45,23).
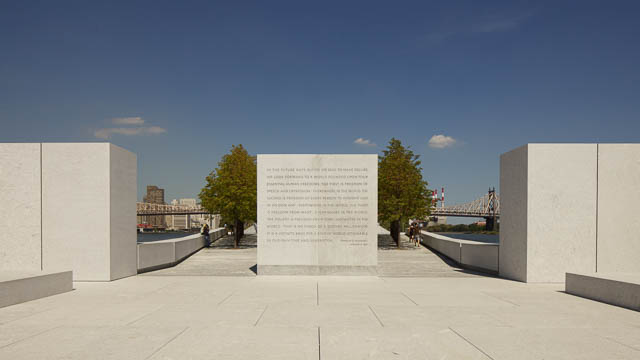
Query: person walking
(415,233)
(205,232)
(411,232)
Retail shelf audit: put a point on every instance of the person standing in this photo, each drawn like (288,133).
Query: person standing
(205,232)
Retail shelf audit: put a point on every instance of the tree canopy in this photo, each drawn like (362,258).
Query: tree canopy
(402,193)
(231,189)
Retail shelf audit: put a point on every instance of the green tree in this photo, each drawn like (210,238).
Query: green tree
(402,193)
(231,189)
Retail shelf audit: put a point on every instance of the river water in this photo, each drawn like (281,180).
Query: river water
(487,238)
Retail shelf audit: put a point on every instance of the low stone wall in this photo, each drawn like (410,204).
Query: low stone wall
(474,255)
(166,253)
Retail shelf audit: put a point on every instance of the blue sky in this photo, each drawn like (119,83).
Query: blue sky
(185,80)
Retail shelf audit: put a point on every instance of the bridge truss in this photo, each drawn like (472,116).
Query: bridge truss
(487,206)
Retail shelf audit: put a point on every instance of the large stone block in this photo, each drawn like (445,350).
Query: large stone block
(88,202)
(548,211)
(317,214)
(513,214)
(618,198)
(68,206)
(123,177)
(20,237)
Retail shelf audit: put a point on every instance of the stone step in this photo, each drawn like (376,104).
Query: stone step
(615,289)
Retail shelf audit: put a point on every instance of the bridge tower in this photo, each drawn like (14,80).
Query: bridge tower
(490,220)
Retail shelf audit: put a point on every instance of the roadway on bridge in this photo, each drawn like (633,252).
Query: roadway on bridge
(221,259)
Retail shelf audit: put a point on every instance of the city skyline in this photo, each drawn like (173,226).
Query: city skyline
(459,82)
(155,195)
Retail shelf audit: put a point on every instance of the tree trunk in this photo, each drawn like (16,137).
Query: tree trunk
(239,233)
(395,231)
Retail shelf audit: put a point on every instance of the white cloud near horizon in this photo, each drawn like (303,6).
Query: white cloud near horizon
(441,141)
(134,120)
(363,142)
(148,130)
(107,133)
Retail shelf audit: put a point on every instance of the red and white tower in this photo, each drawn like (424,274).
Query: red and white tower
(435,198)
(442,201)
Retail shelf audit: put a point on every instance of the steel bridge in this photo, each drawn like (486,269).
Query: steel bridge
(148,209)
(488,207)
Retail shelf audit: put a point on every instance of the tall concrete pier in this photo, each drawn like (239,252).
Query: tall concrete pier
(68,206)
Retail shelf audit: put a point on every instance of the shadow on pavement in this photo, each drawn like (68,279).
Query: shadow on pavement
(227,242)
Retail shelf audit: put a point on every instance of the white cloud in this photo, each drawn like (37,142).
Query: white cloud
(135,120)
(155,130)
(363,142)
(128,131)
(108,132)
(441,141)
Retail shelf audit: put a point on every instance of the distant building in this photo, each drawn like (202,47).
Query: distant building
(180,222)
(177,222)
(188,202)
(155,195)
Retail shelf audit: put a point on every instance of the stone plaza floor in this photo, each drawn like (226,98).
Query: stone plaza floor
(212,306)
